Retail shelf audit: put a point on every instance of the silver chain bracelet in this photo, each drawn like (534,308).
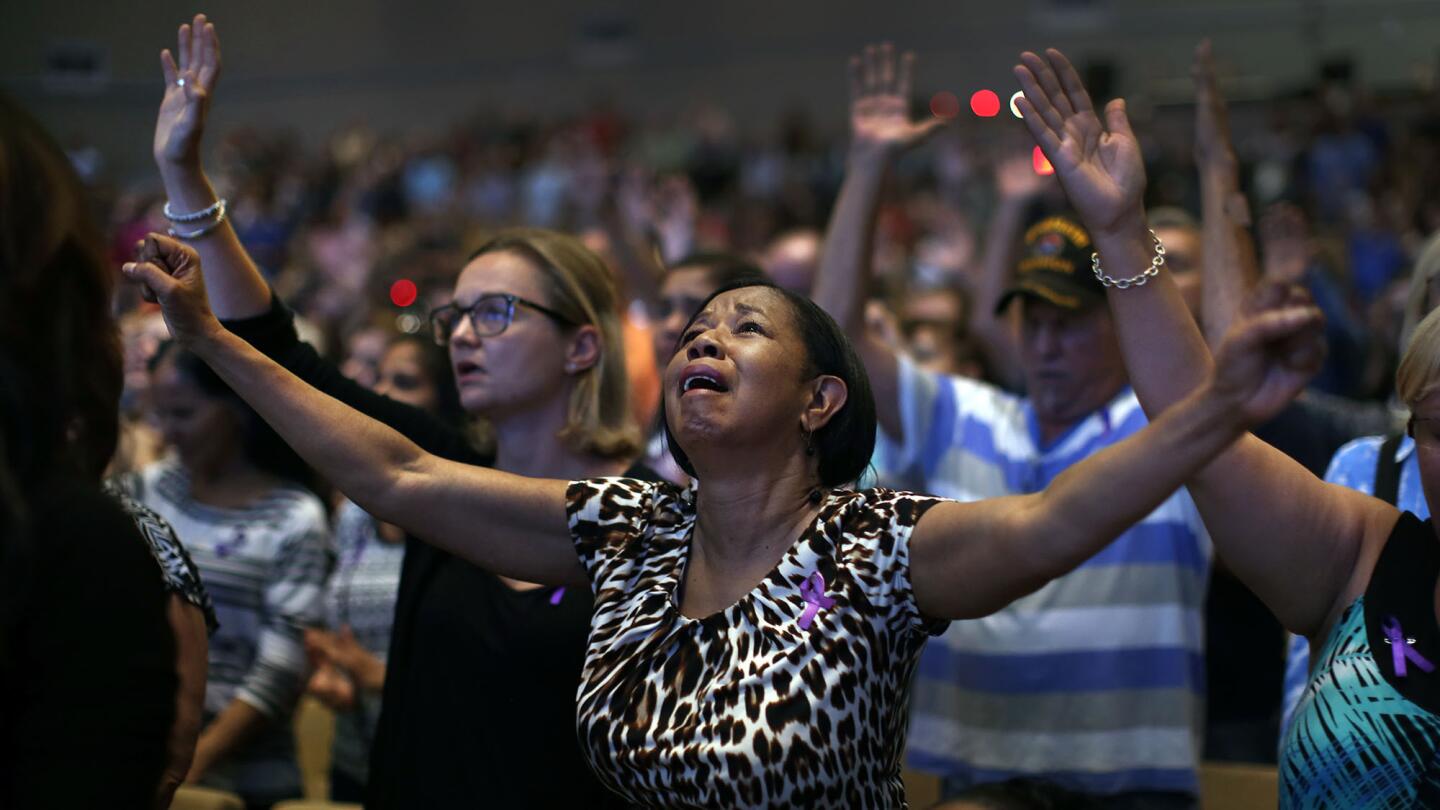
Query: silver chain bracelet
(1134,281)
(203,229)
(205,213)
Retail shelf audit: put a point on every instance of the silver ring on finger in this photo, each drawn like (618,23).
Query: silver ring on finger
(180,82)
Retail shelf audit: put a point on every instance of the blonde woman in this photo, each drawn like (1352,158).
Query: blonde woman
(480,680)
(1350,572)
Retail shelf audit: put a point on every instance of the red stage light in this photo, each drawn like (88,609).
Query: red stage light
(944,104)
(1042,163)
(403,292)
(985,103)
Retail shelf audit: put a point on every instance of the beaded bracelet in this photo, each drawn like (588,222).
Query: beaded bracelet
(204,229)
(1133,281)
(205,213)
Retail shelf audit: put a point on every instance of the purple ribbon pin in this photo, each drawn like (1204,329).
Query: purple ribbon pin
(1400,648)
(224,549)
(812,590)
(558,595)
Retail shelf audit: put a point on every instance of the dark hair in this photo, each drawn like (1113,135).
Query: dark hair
(60,360)
(722,268)
(435,363)
(845,444)
(56,329)
(263,447)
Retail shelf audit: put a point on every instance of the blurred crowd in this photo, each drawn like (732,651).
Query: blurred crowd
(1344,186)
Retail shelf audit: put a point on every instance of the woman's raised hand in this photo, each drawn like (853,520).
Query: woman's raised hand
(879,103)
(1270,353)
(170,273)
(190,75)
(1099,164)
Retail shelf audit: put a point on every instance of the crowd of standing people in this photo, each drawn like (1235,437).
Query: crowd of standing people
(584,463)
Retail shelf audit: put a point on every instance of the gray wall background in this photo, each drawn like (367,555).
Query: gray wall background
(312,65)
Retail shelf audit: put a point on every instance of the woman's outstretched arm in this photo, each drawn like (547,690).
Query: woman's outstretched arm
(508,524)
(1267,515)
(972,559)
(881,130)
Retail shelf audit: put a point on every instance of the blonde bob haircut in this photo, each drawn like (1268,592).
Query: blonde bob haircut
(1419,370)
(579,286)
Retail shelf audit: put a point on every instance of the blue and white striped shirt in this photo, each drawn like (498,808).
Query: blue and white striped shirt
(1096,681)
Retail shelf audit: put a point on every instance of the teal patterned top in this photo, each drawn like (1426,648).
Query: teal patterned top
(1358,740)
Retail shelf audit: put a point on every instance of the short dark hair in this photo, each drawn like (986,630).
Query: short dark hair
(722,268)
(845,444)
(435,364)
(263,447)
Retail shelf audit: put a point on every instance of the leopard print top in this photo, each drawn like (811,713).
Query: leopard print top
(795,696)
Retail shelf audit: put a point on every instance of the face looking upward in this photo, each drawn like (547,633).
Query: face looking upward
(741,377)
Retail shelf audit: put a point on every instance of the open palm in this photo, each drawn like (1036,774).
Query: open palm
(188,83)
(879,102)
(1098,164)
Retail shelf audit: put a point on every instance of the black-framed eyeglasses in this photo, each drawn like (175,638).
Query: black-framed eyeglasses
(489,316)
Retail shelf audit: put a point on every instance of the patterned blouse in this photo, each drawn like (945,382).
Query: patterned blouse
(796,695)
(1366,732)
(176,568)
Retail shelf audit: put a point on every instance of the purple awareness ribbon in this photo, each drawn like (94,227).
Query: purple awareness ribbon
(812,590)
(1400,648)
(558,595)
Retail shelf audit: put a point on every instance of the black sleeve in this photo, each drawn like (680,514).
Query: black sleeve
(273,333)
(87,690)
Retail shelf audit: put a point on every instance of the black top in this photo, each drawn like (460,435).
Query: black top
(87,662)
(1402,589)
(479,701)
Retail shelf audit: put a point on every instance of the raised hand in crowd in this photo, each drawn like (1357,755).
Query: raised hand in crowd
(1214,149)
(1017,185)
(237,288)
(1228,262)
(1288,249)
(881,129)
(191,73)
(1265,512)
(880,123)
